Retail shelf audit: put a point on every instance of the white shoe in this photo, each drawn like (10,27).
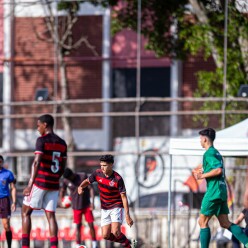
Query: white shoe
(133,243)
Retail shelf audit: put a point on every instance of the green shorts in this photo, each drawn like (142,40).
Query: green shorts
(215,207)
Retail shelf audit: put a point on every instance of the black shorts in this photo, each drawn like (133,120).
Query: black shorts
(5,211)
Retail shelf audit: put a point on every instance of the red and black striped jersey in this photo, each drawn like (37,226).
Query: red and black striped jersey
(110,189)
(53,150)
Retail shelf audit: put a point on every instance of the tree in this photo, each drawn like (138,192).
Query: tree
(61,33)
(198,28)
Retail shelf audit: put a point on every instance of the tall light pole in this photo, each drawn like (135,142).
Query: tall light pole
(138,77)
(56,47)
(223,123)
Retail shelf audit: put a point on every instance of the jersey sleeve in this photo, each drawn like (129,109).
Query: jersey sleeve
(213,162)
(11,178)
(244,211)
(39,146)
(92,177)
(121,186)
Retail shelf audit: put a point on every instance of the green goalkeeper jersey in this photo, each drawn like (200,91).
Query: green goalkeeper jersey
(216,186)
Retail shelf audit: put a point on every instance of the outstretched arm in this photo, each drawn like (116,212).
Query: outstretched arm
(92,197)
(83,185)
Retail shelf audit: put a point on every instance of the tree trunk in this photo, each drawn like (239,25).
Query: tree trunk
(66,110)
(243,43)
(202,17)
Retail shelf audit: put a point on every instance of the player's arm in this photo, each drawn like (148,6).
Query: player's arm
(62,191)
(63,165)
(126,208)
(197,168)
(34,171)
(83,185)
(92,197)
(246,197)
(239,219)
(13,196)
(213,173)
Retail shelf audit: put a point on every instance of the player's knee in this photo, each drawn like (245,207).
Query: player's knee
(117,233)
(202,223)
(106,236)
(6,227)
(225,224)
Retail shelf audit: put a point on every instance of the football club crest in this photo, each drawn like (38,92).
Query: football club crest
(111,183)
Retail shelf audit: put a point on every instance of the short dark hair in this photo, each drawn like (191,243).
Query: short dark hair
(209,132)
(48,119)
(108,158)
(68,173)
(1,157)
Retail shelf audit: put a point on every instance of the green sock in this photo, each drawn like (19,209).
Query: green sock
(237,232)
(205,236)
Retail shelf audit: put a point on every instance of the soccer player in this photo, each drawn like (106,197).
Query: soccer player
(113,201)
(43,187)
(7,180)
(81,204)
(215,198)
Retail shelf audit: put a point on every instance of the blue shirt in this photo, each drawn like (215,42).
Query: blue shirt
(6,177)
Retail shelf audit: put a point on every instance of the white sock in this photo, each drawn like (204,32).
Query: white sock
(94,244)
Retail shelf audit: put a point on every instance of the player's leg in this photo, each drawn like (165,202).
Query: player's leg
(233,228)
(26,225)
(117,216)
(33,201)
(205,234)
(5,215)
(88,215)
(49,204)
(105,223)
(235,242)
(77,219)
(118,236)
(53,228)
(8,232)
(208,209)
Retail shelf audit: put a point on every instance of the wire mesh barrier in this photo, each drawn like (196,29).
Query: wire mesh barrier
(145,170)
(152,226)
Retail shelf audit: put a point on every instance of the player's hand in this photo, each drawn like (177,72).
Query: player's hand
(60,204)
(197,175)
(92,206)
(80,190)
(13,207)
(129,221)
(26,191)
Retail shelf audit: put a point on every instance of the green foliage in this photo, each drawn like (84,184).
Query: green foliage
(192,36)
(72,6)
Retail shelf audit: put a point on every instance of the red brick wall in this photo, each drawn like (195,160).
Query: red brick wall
(190,68)
(34,67)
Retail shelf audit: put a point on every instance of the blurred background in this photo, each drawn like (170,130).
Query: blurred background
(137,79)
